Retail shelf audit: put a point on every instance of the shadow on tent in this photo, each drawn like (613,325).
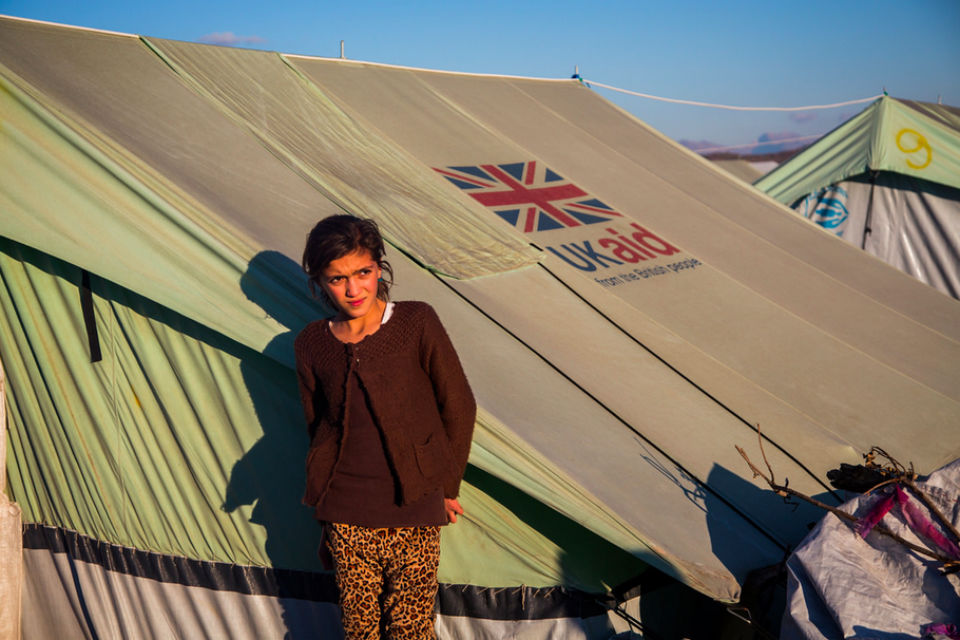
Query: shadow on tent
(271,474)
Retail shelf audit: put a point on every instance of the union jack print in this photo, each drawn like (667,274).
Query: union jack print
(530,197)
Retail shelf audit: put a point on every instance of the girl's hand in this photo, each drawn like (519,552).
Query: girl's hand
(453,509)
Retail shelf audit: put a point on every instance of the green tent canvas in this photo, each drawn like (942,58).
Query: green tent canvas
(626,314)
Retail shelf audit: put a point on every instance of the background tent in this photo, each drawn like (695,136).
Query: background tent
(887,181)
(748,167)
(626,314)
(739,168)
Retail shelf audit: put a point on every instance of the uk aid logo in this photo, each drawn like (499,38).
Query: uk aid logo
(534,199)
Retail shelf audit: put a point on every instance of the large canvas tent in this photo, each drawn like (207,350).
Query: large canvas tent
(626,314)
(887,181)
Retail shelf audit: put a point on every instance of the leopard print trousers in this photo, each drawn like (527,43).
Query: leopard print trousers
(387,580)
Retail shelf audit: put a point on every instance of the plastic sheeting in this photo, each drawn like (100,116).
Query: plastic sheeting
(842,586)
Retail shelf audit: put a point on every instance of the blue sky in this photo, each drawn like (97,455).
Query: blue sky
(738,52)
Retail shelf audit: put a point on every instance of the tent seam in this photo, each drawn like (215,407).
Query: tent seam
(762,530)
(698,387)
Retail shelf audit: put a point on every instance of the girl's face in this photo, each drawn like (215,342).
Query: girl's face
(351,284)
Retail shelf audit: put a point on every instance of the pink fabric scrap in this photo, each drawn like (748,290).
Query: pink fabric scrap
(949,630)
(923,526)
(873,517)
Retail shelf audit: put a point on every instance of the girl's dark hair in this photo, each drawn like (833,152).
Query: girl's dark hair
(339,235)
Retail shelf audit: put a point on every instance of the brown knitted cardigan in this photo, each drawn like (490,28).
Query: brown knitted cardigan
(418,394)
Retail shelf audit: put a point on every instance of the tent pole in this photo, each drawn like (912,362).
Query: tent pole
(866,223)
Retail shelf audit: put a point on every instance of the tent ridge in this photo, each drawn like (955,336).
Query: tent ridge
(386,65)
(67,26)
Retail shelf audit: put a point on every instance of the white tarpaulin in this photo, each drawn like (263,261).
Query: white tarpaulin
(842,586)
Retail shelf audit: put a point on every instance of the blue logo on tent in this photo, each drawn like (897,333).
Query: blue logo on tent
(829,208)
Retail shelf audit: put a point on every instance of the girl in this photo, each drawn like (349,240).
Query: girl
(390,417)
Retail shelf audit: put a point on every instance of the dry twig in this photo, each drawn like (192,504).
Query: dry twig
(933,508)
(904,476)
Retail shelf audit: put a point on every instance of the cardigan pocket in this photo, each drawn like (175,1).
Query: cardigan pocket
(433,456)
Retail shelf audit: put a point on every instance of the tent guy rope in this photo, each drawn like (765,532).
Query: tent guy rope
(815,136)
(697,103)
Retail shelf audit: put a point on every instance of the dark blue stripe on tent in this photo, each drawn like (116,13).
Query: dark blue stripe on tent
(463,184)
(510,215)
(553,176)
(515,169)
(546,222)
(474,171)
(586,218)
(594,203)
(509,603)
(220,576)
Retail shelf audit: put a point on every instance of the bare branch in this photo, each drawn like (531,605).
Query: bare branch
(783,490)
(763,453)
(899,474)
